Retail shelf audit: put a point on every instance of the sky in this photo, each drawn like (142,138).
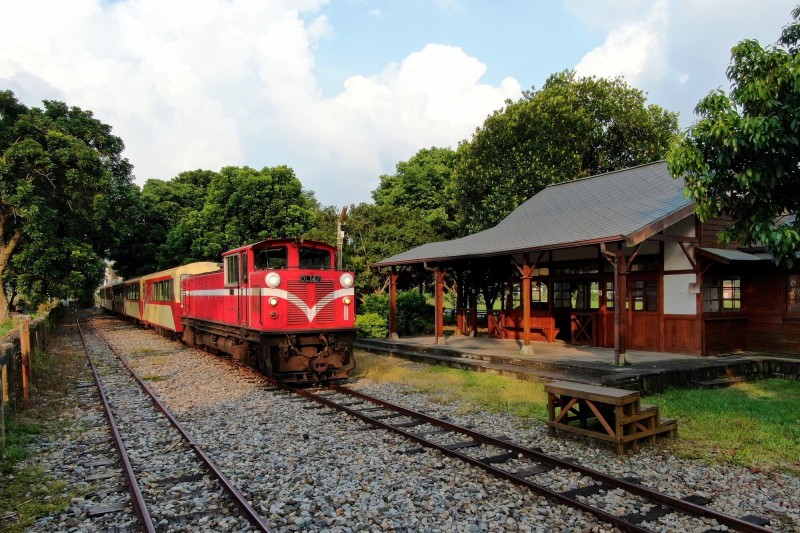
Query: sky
(343,90)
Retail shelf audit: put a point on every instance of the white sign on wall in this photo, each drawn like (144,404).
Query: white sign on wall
(678,298)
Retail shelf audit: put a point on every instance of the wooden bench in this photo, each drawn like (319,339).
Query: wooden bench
(511,326)
(605,413)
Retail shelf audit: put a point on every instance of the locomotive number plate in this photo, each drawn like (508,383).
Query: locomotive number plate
(310,279)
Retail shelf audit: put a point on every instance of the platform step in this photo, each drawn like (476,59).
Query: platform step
(723,382)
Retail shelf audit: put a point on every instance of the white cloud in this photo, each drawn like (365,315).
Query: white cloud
(206,83)
(634,49)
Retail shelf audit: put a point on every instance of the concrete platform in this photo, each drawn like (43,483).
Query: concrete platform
(647,372)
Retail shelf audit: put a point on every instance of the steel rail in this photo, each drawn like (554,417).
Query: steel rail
(634,488)
(139,505)
(241,501)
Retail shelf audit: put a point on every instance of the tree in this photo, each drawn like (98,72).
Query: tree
(376,232)
(63,198)
(155,211)
(243,205)
(573,127)
(424,185)
(740,159)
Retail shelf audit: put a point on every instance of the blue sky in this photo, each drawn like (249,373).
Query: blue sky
(342,90)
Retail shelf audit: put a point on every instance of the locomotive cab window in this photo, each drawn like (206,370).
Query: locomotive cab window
(232,270)
(314,258)
(271,258)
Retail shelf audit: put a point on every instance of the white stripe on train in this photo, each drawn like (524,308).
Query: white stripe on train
(310,313)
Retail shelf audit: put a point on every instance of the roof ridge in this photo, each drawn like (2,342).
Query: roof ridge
(603,174)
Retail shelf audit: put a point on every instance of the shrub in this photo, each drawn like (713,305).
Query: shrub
(414,314)
(371,326)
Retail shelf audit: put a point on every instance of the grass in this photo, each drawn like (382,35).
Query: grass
(754,424)
(474,391)
(26,491)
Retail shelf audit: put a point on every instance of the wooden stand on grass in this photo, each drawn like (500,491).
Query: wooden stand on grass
(605,413)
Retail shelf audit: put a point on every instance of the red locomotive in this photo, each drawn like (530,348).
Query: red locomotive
(278,305)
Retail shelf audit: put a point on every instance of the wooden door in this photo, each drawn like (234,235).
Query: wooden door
(644,304)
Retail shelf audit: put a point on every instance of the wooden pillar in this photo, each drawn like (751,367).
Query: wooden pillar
(526,306)
(621,311)
(460,303)
(439,320)
(473,305)
(393,304)
(23,323)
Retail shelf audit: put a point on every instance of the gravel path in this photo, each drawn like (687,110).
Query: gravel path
(309,470)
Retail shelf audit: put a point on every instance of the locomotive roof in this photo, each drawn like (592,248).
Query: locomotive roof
(277,242)
(626,205)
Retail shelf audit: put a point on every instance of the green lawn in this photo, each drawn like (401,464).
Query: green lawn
(754,424)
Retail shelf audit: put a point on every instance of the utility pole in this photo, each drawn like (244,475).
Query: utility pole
(340,238)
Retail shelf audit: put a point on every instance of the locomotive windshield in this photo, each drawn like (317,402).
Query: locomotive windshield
(314,258)
(271,258)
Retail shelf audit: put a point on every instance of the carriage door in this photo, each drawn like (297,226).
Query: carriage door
(244,290)
(643,311)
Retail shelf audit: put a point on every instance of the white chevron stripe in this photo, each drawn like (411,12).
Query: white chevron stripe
(310,313)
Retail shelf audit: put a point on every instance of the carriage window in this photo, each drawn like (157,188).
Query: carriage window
(723,295)
(314,258)
(161,291)
(793,294)
(132,292)
(271,258)
(232,270)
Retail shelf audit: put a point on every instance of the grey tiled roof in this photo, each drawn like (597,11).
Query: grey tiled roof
(603,208)
(727,254)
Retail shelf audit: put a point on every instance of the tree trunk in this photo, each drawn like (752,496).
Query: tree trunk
(6,249)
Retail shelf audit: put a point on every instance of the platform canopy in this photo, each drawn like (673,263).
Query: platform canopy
(624,206)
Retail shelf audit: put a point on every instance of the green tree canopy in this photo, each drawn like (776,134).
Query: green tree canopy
(155,212)
(242,205)
(64,192)
(572,127)
(740,159)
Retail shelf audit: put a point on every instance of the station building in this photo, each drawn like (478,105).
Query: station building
(616,260)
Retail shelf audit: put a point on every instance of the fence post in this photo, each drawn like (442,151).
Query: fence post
(23,322)
(2,401)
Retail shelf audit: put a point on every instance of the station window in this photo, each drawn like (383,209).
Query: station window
(271,258)
(609,295)
(723,295)
(232,270)
(562,296)
(314,258)
(645,295)
(793,294)
(539,295)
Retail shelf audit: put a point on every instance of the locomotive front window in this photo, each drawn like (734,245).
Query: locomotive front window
(314,258)
(271,258)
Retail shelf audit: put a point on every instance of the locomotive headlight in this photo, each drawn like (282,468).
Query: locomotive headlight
(273,280)
(346,280)
(273,301)
(346,300)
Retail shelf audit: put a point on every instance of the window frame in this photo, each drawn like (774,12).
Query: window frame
(231,266)
(718,285)
(788,291)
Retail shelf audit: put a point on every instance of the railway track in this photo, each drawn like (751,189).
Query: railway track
(174,485)
(531,468)
(561,480)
